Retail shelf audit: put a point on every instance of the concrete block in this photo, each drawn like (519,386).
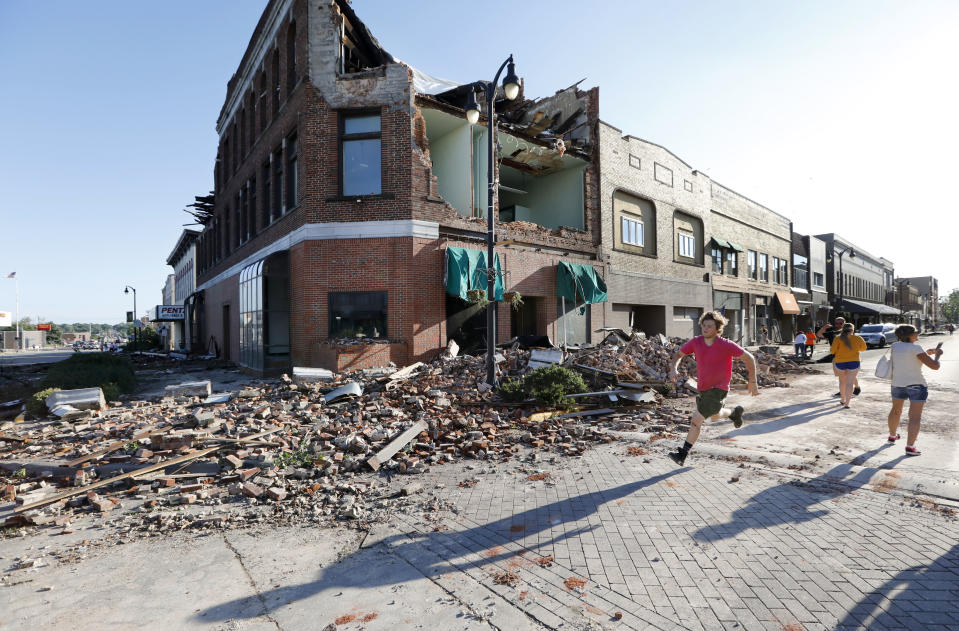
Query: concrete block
(302,375)
(81,399)
(275,493)
(251,490)
(189,389)
(70,413)
(233,461)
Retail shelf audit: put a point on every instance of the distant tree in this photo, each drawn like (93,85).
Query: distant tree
(950,306)
(54,335)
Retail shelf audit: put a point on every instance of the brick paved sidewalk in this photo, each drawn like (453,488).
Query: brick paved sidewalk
(690,548)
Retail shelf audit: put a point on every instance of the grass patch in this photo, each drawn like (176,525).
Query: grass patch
(113,373)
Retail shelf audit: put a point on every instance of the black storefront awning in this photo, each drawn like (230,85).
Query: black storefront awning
(867,308)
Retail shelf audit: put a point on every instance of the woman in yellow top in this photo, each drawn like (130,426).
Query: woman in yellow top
(846,349)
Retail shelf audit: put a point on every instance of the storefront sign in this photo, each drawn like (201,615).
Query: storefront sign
(44,327)
(169,313)
(6,318)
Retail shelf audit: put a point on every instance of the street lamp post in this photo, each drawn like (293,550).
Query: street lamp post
(127,290)
(511,90)
(842,280)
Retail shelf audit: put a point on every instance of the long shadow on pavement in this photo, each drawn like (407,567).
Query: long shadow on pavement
(781,505)
(754,428)
(920,597)
(482,540)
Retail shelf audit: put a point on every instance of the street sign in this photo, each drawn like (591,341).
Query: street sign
(129,316)
(44,327)
(6,318)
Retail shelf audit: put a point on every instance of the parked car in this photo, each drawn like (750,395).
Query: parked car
(878,334)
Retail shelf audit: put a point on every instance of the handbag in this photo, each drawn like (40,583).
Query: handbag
(884,366)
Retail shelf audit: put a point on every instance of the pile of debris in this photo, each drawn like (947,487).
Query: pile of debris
(637,359)
(296,445)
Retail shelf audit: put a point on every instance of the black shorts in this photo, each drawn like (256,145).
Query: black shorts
(710,402)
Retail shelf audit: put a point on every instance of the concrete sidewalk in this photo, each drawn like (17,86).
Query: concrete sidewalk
(610,540)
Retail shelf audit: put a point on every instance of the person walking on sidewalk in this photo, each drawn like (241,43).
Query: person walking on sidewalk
(908,359)
(846,349)
(810,344)
(799,344)
(830,331)
(714,370)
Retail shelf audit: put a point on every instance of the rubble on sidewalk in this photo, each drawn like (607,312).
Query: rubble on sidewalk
(304,450)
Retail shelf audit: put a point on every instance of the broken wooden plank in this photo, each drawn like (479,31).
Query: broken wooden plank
(395,445)
(641,385)
(405,372)
(117,444)
(600,412)
(601,393)
(193,455)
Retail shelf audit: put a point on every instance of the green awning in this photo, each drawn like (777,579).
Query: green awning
(579,283)
(466,269)
(719,242)
(736,247)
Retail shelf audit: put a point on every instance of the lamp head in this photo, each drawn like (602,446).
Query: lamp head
(511,81)
(852,253)
(126,290)
(472,107)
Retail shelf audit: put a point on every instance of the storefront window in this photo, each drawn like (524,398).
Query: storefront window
(358,314)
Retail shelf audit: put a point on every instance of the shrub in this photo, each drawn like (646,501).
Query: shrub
(37,404)
(113,373)
(549,385)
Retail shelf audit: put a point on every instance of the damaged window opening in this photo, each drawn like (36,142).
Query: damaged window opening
(358,314)
(292,150)
(360,155)
(537,184)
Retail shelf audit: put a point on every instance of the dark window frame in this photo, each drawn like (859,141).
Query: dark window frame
(333,308)
(291,185)
(342,137)
(716,256)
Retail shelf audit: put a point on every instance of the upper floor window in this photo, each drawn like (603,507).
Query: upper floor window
(687,245)
(290,58)
(360,155)
(751,262)
(717,255)
(275,80)
(784,271)
(632,231)
(292,152)
(818,280)
(764,268)
(800,271)
(776,278)
(732,263)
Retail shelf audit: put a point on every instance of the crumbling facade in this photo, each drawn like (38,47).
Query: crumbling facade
(344,177)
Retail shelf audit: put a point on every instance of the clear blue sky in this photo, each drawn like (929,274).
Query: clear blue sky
(839,115)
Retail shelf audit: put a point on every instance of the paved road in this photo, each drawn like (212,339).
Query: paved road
(25,358)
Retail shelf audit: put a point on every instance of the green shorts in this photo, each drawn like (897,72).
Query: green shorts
(710,402)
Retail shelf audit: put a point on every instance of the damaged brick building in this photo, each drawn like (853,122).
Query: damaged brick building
(347,187)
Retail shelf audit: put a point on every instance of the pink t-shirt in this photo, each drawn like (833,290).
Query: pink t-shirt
(714,363)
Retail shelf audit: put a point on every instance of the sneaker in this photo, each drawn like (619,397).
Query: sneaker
(678,457)
(910,451)
(856,390)
(737,416)
(892,438)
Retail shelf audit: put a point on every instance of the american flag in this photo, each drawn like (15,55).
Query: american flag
(12,275)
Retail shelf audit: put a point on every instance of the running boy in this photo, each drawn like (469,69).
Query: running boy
(714,368)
